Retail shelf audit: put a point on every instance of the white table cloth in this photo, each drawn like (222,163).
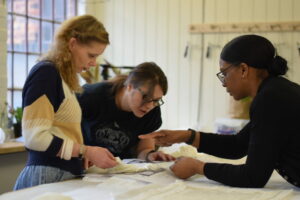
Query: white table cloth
(156,185)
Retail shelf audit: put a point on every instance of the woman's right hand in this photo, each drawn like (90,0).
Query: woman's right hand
(101,157)
(167,137)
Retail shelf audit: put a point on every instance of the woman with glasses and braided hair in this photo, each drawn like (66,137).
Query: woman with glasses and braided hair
(249,66)
(117,111)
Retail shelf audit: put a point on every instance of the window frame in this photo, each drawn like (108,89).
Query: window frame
(11,52)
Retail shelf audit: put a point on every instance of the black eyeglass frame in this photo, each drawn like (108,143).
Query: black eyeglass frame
(221,76)
(146,99)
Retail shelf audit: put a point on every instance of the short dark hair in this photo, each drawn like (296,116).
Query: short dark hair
(256,51)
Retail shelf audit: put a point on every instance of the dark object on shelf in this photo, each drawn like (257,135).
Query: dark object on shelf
(108,65)
(17,129)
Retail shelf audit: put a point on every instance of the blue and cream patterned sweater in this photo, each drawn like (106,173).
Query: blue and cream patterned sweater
(51,119)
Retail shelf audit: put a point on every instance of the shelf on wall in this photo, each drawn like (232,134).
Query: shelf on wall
(245,27)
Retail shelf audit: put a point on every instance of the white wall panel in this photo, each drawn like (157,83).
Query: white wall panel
(128,30)
(233,10)
(162,47)
(150,29)
(140,31)
(246,10)
(118,39)
(195,57)
(173,61)
(157,30)
(183,64)
(214,101)
(259,8)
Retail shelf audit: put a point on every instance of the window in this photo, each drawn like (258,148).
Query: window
(30,28)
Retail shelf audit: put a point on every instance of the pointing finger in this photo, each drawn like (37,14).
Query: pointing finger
(153,135)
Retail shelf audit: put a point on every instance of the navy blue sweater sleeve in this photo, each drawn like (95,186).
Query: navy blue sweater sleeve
(44,79)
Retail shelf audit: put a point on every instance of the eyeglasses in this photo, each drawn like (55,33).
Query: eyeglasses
(221,75)
(147,99)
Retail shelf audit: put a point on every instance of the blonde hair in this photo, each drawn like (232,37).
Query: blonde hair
(85,29)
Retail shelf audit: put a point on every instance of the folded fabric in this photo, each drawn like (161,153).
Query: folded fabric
(180,149)
(126,168)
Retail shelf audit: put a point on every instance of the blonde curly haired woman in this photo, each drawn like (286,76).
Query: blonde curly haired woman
(52,115)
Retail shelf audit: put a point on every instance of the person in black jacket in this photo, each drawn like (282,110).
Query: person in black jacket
(249,66)
(115,112)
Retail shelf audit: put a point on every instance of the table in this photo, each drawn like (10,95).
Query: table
(132,187)
(156,186)
(11,147)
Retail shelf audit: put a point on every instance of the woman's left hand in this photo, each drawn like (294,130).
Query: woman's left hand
(185,167)
(160,156)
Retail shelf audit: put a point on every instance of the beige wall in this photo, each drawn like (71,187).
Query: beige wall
(157,30)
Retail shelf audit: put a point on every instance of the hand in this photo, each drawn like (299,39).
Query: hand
(100,157)
(86,163)
(167,137)
(160,156)
(185,167)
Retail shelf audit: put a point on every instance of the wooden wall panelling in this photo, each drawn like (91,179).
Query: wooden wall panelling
(184,67)
(129,24)
(118,32)
(205,88)
(150,30)
(162,50)
(173,61)
(295,46)
(220,96)
(259,11)
(296,43)
(195,57)
(145,30)
(246,11)
(139,35)
(107,17)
